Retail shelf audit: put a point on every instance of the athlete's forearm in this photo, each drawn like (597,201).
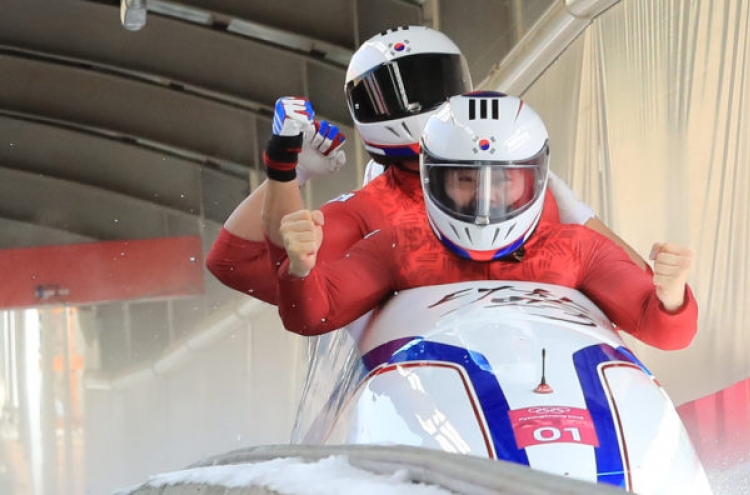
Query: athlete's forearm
(245,221)
(335,294)
(626,294)
(281,198)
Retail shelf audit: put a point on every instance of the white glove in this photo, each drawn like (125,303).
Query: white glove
(292,116)
(322,151)
(572,209)
(372,170)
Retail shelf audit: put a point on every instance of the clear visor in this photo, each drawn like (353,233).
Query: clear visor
(484,193)
(407,86)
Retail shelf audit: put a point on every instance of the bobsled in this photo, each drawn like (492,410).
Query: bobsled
(528,373)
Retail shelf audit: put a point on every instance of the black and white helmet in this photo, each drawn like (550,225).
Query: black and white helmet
(396,81)
(484,165)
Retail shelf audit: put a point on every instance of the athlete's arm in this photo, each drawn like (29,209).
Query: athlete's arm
(658,309)
(245,221)
(293,117)
(239,256)
(319,298)
(243,265)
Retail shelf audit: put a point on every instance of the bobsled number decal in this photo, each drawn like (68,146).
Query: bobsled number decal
(552,424)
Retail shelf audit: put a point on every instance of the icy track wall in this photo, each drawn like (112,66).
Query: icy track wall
(313,470)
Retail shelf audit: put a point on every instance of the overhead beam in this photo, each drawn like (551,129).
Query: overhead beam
(563,22)
(219,64)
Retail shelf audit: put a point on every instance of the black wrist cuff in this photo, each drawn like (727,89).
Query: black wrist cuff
(281,175)
(283,149)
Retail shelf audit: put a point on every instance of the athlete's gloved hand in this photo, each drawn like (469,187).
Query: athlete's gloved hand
(322,151)
(572,210)
(671,269)
(293,115)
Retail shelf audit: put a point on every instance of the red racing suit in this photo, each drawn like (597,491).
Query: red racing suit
(409,255)
(392,198)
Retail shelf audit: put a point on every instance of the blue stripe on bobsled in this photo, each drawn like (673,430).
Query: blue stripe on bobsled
(631,357)
(609,459)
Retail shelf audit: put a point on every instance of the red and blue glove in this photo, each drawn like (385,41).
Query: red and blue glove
(293,116)
(322,151)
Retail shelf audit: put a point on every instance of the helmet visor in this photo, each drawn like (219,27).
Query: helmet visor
(484,192)
(407,86)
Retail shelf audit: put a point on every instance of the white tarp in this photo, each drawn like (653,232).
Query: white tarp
(648,116)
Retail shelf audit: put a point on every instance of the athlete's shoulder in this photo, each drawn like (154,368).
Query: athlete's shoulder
(376,188)
(564,229)
(562,237)
(581,242)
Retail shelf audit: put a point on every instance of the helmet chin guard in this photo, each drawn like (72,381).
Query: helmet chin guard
(483,164)
(396,81)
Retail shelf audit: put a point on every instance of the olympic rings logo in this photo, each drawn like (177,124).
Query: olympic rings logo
(549,410)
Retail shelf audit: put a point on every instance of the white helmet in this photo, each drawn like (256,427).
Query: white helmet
(395,82)
(483,165)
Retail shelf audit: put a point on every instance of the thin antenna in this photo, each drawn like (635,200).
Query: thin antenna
(543,388)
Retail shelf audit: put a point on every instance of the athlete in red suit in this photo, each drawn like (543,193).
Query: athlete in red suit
(432,70)
(409,255)
(393,198)
(498,221)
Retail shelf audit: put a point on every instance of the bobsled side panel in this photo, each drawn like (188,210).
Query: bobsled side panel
(484,385)
(661,457)
(425,404)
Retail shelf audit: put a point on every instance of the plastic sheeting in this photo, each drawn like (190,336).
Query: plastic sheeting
(335,369)
(648,118)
